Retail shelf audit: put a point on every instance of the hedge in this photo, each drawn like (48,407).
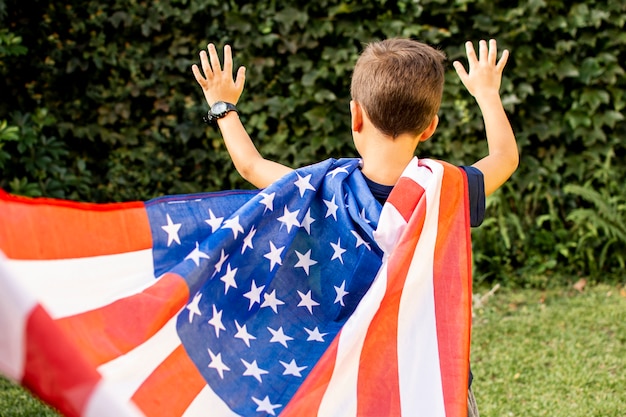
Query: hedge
(99,104)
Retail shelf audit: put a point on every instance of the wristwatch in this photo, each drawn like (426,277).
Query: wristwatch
(218,110)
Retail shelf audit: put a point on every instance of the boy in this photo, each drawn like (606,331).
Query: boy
(396,91)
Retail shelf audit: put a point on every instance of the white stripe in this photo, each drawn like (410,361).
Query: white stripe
(126,373)
(340,398)
(103,403)
(15,309)
(418,353)
(207,400)
(72,286)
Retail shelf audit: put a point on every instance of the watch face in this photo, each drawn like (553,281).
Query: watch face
(218,108)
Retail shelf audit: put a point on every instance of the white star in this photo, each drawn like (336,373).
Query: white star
(337,171)
(307,301)
(341,292)
(172,231)
(362,216)
(247,241)
(315,335)
(338,250)
(271,301)
(360,241)
(303,184)
(194,307)
(229,278)
(217,364)
(266,405)
(254,295)
(289,219)
(252,369)
(218,265)
(331,208)
(307,221)
(278,336)
(233,224)
(274,255)
(305,261)
(216,321)
(267,201)
(196,255)
(214,222)
(242,333)
(292,368)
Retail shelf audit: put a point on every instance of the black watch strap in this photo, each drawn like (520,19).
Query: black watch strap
(218,110)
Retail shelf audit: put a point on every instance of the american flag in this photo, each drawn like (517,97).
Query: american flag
(304,298)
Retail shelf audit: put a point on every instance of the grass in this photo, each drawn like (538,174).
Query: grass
(534,353)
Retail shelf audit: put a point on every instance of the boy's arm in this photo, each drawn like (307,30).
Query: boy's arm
(483,82)
(218,85)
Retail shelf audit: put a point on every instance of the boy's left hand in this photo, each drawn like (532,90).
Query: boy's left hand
(217,83)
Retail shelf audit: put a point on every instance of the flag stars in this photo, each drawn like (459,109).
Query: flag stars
(220,263)
(363,217)
(315,335)
(194,306)
(217,363)
(254,295)
(305,261)
(247,241)
(279,336)
(292,368)
(289,218)
(274,255)
(214,222)
(265,405)
(336,171)
(233,224)
(242,333)
(307,301)
(216,321)
(271,301)
(267,201)
(229,279)
(303,184)
(307,221)
(196,255)
(338,250)
(360,241)
(341,292)
(172,231)
(331,208)
(252,369)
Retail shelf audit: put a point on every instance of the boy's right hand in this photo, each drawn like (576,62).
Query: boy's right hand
(485,73)
(217,83)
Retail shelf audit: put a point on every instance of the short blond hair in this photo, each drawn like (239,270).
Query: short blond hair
(399,84)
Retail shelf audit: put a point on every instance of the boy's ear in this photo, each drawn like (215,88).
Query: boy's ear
(428,132)
(357,116)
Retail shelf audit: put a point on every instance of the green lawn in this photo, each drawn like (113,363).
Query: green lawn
(535,353)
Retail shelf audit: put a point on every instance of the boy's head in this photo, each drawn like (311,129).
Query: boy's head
(399,84)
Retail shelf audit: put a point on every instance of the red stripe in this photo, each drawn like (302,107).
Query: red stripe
(306,401)
(110,331)
(55,369)
(383,397)
(67,229)
(171,388)
(452,289)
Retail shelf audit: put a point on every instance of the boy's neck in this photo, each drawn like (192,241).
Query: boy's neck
(384,159)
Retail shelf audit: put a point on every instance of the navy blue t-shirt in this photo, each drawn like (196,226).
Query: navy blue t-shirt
(475,185)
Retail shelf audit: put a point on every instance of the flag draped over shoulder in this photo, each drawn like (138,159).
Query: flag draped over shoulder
(304,298)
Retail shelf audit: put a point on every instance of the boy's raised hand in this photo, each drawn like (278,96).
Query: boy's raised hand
(217,83)
(485,72)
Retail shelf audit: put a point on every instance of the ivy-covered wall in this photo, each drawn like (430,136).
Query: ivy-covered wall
(98,103)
